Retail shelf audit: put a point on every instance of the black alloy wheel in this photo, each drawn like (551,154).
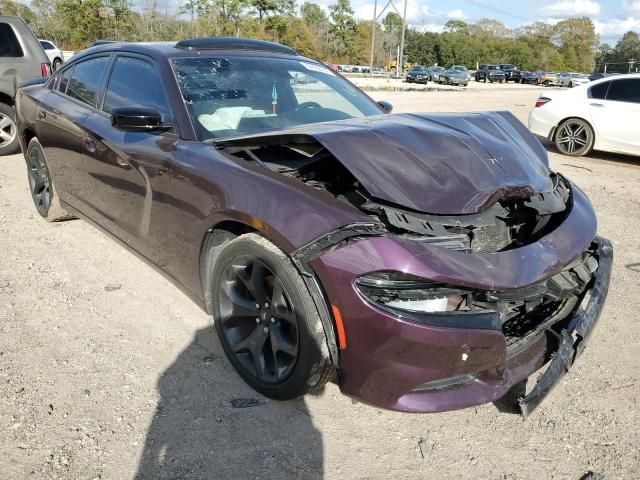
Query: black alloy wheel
(39,181)
(574,137)
(258,320)
(265,316)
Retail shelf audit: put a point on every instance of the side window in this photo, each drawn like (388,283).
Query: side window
(599,91)
(86,80)
(9,45)
(136,82)
(46,45)
(64,80)
(627,90)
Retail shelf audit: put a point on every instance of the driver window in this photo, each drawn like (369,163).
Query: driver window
(135,82)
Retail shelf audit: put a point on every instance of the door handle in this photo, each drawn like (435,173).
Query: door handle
(596,104)
(122,162)
(43,114)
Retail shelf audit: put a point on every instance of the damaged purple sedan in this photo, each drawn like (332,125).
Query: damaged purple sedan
(423,262)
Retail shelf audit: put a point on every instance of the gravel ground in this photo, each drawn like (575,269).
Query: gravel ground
(107,371)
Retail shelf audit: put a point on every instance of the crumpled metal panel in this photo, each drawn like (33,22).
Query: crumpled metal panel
(433,163)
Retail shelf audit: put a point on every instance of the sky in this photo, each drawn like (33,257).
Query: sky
(612,18)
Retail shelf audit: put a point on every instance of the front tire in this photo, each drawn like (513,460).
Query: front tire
(267,321)
(9,142)
(41,187)
(574,137)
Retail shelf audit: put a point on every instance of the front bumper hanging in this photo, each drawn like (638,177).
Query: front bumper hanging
(573,339)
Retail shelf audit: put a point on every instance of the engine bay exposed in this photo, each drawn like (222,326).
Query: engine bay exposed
(513,217)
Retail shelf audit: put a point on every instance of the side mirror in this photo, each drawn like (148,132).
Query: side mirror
(385,106)
(137,119)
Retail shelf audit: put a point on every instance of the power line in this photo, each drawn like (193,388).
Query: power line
(497,10)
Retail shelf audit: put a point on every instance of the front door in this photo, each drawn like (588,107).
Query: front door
(128,172)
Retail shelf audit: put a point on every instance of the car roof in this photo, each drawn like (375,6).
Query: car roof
(616,76)
(192,47)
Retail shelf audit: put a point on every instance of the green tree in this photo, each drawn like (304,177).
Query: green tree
(299,37)
(577,41)
(556,63)
(456,26)
(343,30)
(628,47)
(604,54)
(420,47)
(267,7)
(84,21)
(488,27)
(18,9)
(313,15)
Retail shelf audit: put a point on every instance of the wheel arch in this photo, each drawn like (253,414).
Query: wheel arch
(6,99)
(28,134)
(225,231)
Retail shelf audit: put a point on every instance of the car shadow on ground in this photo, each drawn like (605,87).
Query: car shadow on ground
(198,433)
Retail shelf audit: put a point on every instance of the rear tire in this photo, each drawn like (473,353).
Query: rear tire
(55,65)
(9,142)
(267,322)
(41,186)
(574,137)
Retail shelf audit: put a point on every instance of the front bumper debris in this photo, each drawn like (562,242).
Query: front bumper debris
(573,339)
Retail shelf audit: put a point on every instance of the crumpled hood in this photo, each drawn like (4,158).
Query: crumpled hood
(447,164)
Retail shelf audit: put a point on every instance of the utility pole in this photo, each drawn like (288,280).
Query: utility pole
(376,17)
(404,24)
(374,25)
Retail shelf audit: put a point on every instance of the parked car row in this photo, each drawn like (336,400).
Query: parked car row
(497,73)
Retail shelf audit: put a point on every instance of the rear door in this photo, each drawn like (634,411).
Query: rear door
(61,117)
(128,172)
(617,115)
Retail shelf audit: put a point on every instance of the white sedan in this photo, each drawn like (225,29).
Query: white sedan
(602,115)
(572,79)
(54,53)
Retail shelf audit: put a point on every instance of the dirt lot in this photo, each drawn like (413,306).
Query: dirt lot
(107,371)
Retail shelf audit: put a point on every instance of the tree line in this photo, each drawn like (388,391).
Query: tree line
(334,36)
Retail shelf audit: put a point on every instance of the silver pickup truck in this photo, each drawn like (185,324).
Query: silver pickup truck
(21,58)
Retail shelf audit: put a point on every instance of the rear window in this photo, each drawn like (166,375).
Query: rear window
(64,79)
(9,45)
(627,90)
(86,80)
(599,91)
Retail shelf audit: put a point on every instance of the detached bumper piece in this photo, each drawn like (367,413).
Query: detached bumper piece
(573,338)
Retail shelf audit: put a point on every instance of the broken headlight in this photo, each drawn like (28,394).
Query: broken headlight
(400,291)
